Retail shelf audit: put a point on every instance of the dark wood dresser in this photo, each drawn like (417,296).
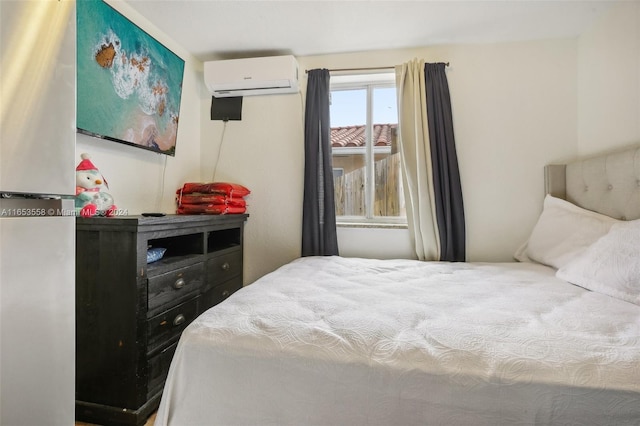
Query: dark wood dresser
(130,314)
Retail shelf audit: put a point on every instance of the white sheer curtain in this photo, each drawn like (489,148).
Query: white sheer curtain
(416,159)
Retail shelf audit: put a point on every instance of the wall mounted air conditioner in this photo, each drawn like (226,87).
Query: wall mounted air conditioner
(252,76)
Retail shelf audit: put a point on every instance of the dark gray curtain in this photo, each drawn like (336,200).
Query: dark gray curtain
(319,236)
(446,175)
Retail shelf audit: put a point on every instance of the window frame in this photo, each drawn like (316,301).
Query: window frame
(368,82)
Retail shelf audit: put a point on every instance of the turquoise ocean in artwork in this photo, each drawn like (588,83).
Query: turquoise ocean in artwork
(128,85)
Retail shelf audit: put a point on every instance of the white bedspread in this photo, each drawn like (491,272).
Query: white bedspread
(339,341)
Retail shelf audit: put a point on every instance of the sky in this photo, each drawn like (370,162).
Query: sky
(348,107)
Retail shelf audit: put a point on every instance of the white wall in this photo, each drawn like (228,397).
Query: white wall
(609,81)
(264,152)
(514,109)
(140,180)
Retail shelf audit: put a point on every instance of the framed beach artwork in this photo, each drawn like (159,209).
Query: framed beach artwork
(129,85)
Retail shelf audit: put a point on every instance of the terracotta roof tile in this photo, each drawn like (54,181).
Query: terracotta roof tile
(354,135)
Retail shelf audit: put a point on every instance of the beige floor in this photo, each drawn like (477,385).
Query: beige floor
(149,422)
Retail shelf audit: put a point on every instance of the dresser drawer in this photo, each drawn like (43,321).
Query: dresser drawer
(223,267)
(168,325)
(159,369)
(169,288)
(219,293)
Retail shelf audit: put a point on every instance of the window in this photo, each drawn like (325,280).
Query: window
(366,161)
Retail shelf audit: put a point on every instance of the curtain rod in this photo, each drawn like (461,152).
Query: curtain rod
(364,69)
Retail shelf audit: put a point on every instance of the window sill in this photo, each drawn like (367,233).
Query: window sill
(372,225)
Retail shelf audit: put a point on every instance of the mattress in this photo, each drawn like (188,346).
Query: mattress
(344,341)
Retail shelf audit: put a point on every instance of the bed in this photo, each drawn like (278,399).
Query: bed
(551,339)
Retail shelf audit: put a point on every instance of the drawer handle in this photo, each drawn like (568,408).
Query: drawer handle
(180,282)
(225,293)
(179,320)
(225,266)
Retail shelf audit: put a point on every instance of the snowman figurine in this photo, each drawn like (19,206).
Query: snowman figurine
(92,198)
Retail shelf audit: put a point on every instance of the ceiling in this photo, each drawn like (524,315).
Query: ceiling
(221,29)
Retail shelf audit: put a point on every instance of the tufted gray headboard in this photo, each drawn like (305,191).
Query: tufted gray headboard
(607,183)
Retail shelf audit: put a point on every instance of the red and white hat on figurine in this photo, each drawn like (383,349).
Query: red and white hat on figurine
(86,163)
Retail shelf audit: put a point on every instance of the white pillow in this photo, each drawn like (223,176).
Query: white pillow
(611,266)
(563,231)
(521,253)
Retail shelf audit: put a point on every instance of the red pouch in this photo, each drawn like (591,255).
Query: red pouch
(201,199)
(225,188)
(209,199)
(209,209)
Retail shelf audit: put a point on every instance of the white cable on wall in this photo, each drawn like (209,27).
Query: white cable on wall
(161,190)
(215,167)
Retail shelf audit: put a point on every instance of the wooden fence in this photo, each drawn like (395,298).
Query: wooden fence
(388,196)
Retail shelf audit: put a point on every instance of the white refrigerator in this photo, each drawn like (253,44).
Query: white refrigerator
(37,226)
